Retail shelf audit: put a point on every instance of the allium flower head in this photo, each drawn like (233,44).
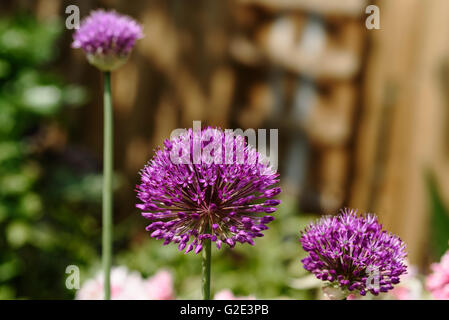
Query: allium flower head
(207,184)
(107,38)
(353,253)
(438,281)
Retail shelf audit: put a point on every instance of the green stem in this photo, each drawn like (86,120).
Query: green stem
(206,269)
(108,138)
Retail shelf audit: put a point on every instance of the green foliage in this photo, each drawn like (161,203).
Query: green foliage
(27,42)
(440,218)
(44,224)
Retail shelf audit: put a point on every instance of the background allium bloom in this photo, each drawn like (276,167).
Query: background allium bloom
(127,285)
(107,38)
(438,281)
(207,185)
(353,253)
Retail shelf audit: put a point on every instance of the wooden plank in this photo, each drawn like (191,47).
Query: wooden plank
(398,126)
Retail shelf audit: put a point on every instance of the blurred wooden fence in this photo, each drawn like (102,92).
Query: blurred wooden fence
(362,114)
(403,126)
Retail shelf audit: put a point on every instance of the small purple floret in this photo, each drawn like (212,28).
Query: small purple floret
(354,253)
(224,200)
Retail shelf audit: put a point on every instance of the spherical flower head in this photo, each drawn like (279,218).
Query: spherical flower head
(438,281)
(107,38)
(353,253)
(207,184)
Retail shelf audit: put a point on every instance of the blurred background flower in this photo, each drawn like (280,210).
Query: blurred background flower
(107,38)
(438,281)
(129,285)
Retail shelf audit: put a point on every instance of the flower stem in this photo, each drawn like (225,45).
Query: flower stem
(206,269)
(108,137)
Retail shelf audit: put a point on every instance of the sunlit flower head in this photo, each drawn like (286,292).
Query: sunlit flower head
(353,253)
(207,184)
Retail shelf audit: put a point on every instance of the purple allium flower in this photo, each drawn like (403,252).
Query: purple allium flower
(207,184)
(107,38)
(353,253)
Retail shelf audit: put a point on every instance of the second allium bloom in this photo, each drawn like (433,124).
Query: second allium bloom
(207,185)
(353,253)
(107,38)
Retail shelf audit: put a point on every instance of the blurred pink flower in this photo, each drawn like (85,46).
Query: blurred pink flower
(438,281)
(160,286)
(127,285)
(227,294)
(401,293)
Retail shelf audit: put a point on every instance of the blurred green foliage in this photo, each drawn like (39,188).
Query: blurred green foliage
(440,218)
(45,221)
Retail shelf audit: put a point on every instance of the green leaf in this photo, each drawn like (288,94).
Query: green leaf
(440,218)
